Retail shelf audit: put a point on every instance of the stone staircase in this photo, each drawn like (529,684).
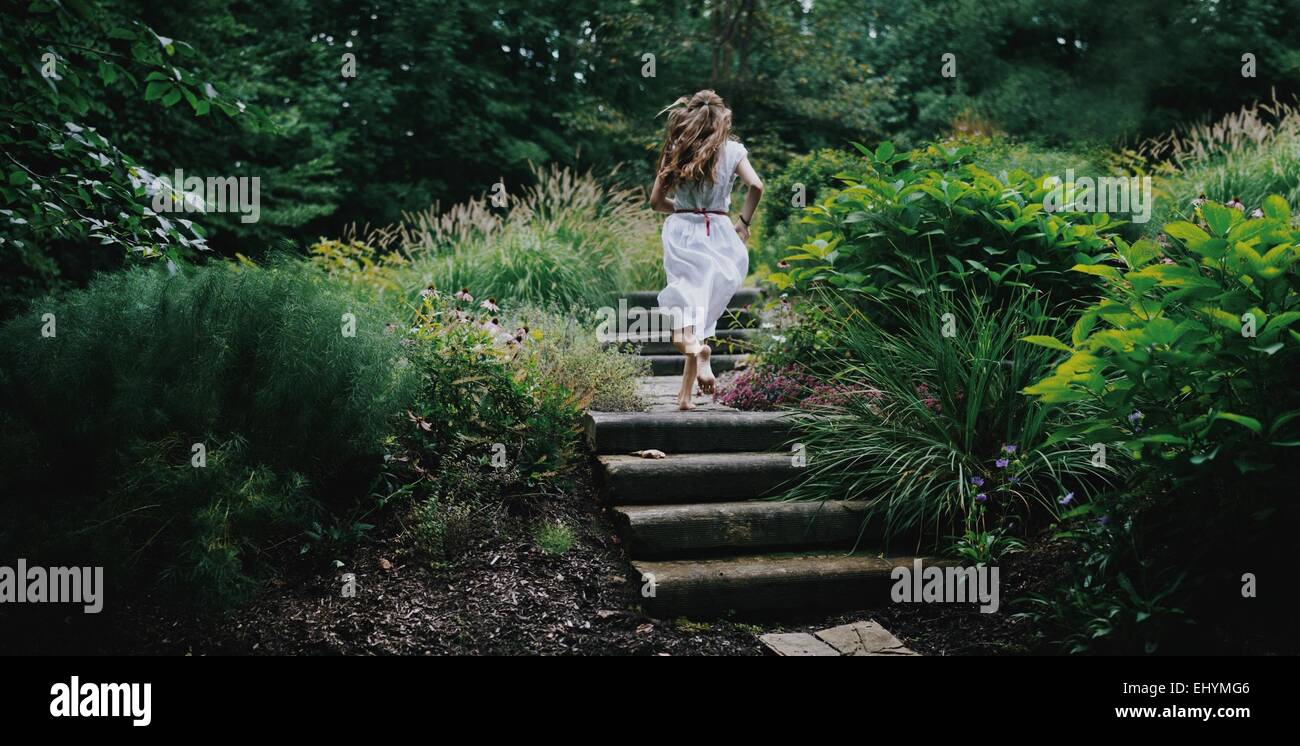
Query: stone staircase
(736,327)
(702,540)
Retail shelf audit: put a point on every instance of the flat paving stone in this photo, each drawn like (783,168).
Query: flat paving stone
(863,638)
(796,644)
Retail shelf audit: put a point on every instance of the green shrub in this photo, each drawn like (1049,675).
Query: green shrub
(251,363)
(1189,364)
(228,510)
(479,383)
(1190,350)
(442,532)
(938,437)
(1119,596)
(929,217)
(217,350)
(565,351)
(553,538)
(781,226)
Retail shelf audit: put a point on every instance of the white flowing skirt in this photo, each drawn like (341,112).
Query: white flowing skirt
(704,268)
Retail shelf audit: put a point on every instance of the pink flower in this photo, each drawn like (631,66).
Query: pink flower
(490,304)
(463,294)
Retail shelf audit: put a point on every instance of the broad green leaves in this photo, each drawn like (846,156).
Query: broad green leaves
(928,218)
(1191,350)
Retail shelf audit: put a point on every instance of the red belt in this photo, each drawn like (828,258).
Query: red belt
(706,214)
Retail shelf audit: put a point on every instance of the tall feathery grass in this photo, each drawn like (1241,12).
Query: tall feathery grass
(566,239)
(1246,156)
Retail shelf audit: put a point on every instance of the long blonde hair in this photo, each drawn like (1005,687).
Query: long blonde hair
(697,128)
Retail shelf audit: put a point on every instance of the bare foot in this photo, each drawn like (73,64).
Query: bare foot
(688,384)
(704,373)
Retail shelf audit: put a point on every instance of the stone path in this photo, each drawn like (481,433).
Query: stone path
(859,638)
(703,540)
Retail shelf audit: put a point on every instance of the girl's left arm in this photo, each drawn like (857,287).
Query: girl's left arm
(752,195)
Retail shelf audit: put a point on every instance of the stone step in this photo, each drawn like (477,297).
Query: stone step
(775,584)
(693,477)
(726,341)
(637,320)
(656,531)
(650,298)
(698,431)
(672,365)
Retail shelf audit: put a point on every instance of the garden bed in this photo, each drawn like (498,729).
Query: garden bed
(505,597)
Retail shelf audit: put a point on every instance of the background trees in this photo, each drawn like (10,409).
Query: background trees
(452,95)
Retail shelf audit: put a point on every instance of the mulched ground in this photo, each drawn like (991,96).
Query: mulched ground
(506,597)
(961,629)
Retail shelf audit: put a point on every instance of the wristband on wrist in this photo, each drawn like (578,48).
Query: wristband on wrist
(743,220)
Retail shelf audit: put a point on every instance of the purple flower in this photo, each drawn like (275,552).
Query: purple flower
(977,481)
(1069,498)
(1010,448)
(1102,521)
(981,497)
(1002,463)
(1135,416)
(1013,480)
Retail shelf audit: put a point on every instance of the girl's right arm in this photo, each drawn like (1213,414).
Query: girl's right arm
(659,199)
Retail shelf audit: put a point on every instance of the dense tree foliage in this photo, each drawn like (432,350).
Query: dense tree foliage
(1084,70)
(450,96)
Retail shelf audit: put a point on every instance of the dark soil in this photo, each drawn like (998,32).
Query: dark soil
(961,629)
(505,596)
